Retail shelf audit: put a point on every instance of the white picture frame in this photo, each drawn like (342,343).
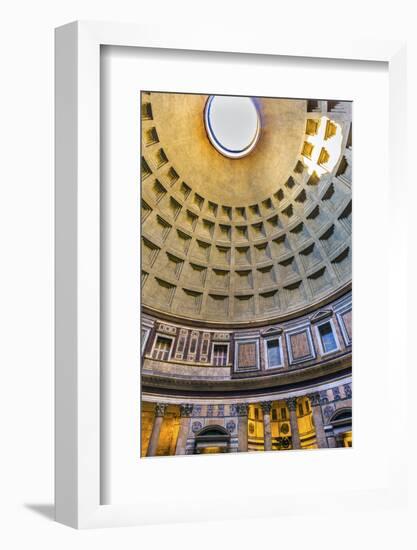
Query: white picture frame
(77,242)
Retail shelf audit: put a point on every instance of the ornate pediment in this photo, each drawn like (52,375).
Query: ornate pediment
(320,315)
(272,331)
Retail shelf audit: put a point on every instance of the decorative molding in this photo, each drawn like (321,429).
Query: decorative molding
(166,329)
(160,409)
(291,403)
(220,343)
(287,379)
(181,343)
(272,319)
(328,411)
(205,347)
(231,426)
(298,331)
(314,399)
(341,313)
(196,410)
(323,397)
(317,326)
(336,393)
(246,355)
(272,331)
(266,407)
(321,315)
(193,345)
(266,339)
(186,410)
(221,336)
(242,409)
(196,426)
(145,332)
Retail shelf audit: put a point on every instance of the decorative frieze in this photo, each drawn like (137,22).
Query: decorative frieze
(167,329)
(196,410)
(222,336)
(323,397)
(336,393)
(296,344)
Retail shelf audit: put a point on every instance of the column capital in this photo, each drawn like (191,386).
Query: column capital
(242,409)
(266,406)
(292,403)
(186,410)
(348,390)
(314,398)
(160,409)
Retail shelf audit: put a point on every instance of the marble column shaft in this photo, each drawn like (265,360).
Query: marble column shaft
(318,420)
(185,418)
(156,429)
(242,411)
(295,434)
(266,410)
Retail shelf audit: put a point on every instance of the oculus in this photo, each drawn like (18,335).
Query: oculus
(232,124)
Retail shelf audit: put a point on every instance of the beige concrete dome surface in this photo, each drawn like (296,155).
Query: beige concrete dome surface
(254,239)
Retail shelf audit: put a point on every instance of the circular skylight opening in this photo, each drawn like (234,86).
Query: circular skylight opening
(233,124)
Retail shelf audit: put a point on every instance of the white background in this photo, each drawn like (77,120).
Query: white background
(26,168)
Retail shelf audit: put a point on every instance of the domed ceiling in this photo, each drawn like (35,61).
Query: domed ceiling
(236,240)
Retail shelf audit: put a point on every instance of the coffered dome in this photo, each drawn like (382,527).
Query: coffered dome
(260,237)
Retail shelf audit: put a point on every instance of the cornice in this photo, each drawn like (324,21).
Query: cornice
(291,379)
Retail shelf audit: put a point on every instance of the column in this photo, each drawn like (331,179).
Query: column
(156,429)
(185,415)
(339,442)
(295,434)
(318,420)
(242,430)
(331,440)
(266,410)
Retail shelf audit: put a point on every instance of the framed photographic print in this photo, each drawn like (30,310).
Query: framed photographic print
(246,273)
(219,276)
